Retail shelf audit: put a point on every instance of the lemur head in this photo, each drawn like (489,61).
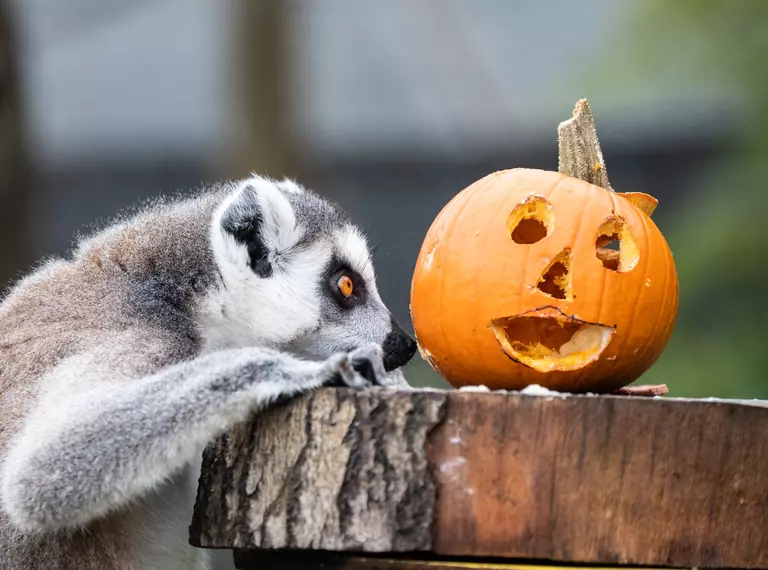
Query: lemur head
(296,274)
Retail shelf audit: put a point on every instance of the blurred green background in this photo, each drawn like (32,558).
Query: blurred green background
(391,108)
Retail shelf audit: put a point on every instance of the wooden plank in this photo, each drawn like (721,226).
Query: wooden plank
(579,479)
(245,560)
(603,480)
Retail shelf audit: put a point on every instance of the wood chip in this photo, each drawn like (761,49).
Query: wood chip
(645,390)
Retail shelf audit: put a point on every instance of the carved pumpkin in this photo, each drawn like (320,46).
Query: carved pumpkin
(534,277)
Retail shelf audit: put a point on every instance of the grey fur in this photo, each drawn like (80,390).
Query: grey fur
(118,365)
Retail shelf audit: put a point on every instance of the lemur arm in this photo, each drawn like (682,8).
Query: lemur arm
(83,457)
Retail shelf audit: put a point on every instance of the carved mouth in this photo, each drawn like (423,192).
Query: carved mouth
(547,339)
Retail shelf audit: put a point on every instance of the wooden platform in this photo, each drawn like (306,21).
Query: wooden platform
(472,476)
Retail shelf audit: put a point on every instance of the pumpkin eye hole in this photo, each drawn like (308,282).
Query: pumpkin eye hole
(531,221)
(615,247)
(346,286)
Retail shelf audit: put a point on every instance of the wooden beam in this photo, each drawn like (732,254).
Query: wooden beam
(263,89)
(572,479)
(245,560)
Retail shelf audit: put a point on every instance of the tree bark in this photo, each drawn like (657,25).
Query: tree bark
(334,471)
(570,479)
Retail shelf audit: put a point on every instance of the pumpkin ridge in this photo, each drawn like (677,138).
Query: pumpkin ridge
(605,272)
(625,338)
(450,234)
(645,261)
(575,238)
(665,300)
(520,289)
(590,197)
(549,196)
(486,238)
(440,284)
(664,297)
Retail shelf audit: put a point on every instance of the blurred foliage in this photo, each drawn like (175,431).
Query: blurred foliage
(724,40)
(719,242)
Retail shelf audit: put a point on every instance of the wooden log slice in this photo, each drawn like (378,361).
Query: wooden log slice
(570,479)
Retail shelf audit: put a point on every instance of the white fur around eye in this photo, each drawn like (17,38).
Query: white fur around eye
(285,308)
(353,249)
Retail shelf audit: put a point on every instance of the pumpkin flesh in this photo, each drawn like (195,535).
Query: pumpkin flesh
(550,340)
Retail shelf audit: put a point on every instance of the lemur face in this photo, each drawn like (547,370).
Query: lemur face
(296,275)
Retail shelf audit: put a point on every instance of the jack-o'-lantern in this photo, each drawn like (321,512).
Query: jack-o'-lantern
(536,277)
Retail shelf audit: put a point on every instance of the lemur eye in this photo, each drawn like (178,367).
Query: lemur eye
(345,285)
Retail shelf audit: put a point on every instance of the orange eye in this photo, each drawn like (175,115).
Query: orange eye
(345,285)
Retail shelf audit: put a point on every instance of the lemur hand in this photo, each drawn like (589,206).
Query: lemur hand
(361,368)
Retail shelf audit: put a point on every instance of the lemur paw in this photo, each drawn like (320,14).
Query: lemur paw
(361,368)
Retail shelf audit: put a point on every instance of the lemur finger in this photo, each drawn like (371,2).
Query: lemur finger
(369,361)
(341,367)
(397,379)
(364,367)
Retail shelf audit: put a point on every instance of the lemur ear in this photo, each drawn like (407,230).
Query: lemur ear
(260,217)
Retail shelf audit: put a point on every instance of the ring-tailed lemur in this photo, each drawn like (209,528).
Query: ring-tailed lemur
(119,365)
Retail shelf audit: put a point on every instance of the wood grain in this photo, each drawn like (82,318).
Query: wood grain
(334,470)
(596,480)
(580,155)
(604,480)
(246,560)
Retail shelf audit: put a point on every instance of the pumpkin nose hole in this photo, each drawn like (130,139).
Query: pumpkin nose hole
(556,279)
(615,247)
(532,220)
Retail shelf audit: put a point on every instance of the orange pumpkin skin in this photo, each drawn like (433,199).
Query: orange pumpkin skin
(470,274)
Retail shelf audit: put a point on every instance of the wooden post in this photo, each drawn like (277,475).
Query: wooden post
(263,90)
(471,476)
(14,175)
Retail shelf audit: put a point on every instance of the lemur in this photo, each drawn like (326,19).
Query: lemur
(119,363)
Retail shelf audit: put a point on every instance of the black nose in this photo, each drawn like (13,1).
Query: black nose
(399,347)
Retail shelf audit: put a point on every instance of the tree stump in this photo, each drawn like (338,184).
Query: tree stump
(469,475)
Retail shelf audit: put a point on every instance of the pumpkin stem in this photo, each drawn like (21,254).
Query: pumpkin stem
(580,154)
